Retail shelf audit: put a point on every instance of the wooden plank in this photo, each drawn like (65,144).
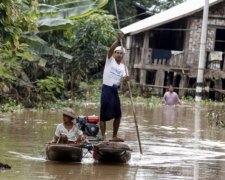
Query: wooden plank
(183,84)
(144,57)
(159,81)
(145,49)
(189,89)
(158,67)
(128,47)
(142,76)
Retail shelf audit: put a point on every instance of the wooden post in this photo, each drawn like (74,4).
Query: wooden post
(159,81)
(128,49)
(144,57)
(218,85)
(183,84)
(142,76)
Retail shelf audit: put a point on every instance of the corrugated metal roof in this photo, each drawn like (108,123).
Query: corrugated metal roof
(177,12)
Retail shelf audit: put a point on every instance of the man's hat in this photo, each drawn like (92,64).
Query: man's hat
(69,112)
(120,48)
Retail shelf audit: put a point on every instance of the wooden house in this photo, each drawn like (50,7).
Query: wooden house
(164,49)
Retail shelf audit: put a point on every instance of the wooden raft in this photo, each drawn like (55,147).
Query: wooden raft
(115,152)
(63,152)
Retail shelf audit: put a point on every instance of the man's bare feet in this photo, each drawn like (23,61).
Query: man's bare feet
(105,140)
(117,139)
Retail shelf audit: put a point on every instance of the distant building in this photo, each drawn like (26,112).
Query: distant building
(164,49)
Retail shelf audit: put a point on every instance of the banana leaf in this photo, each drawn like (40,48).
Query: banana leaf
(68,11)
(42,48)
(76,12)
(74,4)
(33,39)
(82,11)
(48,24)
(45,8)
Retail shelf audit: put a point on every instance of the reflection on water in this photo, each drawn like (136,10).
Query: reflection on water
(176,141)
(197,138)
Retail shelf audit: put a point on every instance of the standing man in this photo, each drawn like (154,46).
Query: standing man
(171,97)
(114,72)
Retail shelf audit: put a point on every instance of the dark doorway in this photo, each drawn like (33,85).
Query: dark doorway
(177,82)
(137,75)
(150,77)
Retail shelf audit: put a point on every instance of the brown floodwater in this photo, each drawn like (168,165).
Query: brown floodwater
(177,143)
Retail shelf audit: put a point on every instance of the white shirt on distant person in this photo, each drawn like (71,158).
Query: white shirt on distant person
(113,72)
(72,134)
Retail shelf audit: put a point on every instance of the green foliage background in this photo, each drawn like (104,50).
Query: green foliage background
(48,50)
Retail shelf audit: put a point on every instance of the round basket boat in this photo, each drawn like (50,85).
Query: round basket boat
(114,152)
(63,152)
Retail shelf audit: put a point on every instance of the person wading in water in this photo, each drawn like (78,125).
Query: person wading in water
(171,97)
(114,72)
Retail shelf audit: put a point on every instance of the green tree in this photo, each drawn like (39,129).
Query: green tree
(57,15)
(16,17)
(21,45)
(83,40)
(87,43)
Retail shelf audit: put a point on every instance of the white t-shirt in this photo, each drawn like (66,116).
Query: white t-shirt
(72,134)
(113,72)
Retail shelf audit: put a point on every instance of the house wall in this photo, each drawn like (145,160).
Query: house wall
(216,19)
(185,64)
(193,41)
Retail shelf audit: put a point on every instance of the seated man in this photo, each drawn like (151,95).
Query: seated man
(171,97)
(68,132)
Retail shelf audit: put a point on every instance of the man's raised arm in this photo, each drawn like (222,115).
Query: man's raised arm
(114,45)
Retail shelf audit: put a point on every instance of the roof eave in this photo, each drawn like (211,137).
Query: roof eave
(165,22)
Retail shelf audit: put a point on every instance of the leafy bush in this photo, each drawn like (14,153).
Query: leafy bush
(10,105)
(50,88)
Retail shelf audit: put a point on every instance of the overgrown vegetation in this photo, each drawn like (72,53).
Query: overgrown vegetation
(216,118)
(50,88)
(89,95)
(10,105)
(41,42)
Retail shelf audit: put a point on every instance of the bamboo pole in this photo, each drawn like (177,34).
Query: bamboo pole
(130,93)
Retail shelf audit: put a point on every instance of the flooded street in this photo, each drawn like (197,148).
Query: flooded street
(177,143)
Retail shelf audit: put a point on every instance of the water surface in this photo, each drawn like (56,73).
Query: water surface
(177,143)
